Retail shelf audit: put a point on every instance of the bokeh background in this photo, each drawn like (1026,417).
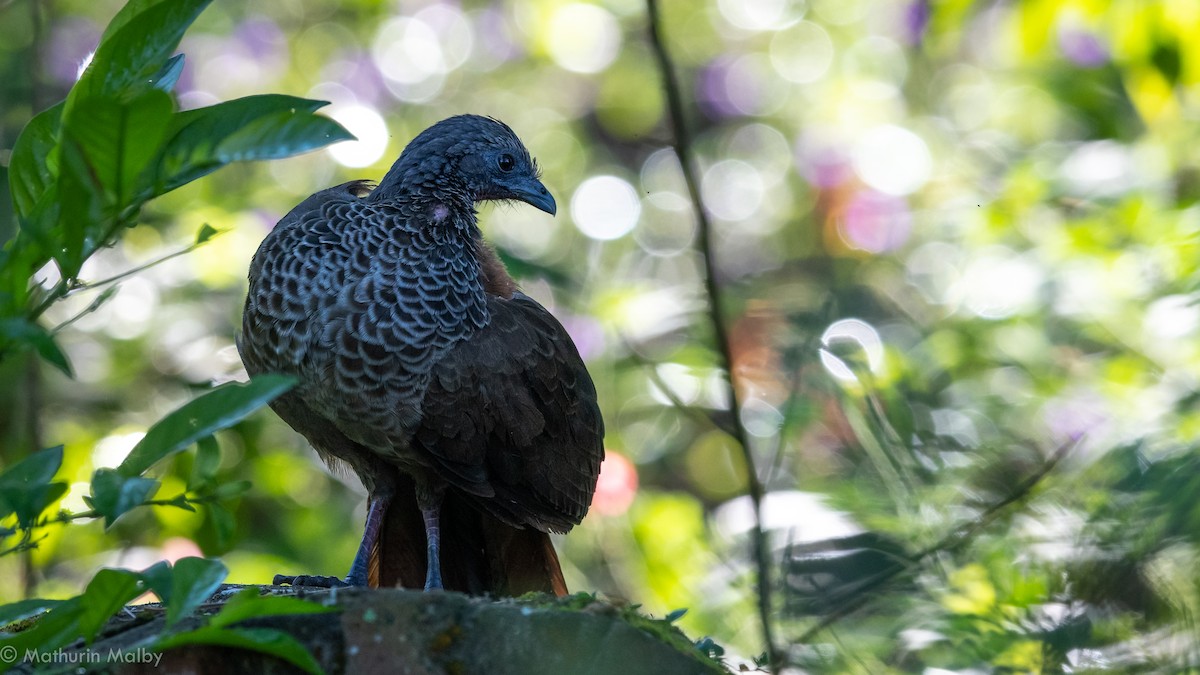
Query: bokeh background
(955,238)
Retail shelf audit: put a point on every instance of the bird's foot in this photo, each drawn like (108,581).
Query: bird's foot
(308,581)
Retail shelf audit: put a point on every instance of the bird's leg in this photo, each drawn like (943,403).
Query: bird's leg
(377,506)
(429,500)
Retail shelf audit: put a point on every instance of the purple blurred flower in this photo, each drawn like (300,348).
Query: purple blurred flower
(822,164)
(1082,48)
(586,333)
(260,38)
(356,71)
(876,222)
(710,89)
(495,37)
(1076,415)
(731,87)
(916,21)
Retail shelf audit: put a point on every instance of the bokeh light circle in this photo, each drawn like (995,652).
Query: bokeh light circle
(583,38)
(856,331)
(802,53)
(368,128)
(893,160)
(753,14)
(732,189)
(605,207)
(409,53)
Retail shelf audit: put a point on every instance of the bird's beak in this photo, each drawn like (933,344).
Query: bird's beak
(535,194)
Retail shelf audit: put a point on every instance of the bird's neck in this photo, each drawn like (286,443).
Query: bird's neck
(495,277)
(426,177)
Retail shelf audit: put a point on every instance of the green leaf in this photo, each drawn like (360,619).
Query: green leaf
(20,331)
(206,464)
(266,640)
(118,139)
(105,595)
(710,648)
(159,578)
(26,488)
(78,215)
(185,586)
(281,134)
(135,48)
(255,127)
(31,170)
(220,408)
(114,494)
(231,489)
(206,232)
(223,525)
(23,609)
(181,502)
(169,75)
(249,604)
(59,627)
(37,241)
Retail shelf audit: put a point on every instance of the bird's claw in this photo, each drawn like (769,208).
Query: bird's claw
(308,581)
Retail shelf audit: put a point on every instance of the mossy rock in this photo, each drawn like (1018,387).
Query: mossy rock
(403,631)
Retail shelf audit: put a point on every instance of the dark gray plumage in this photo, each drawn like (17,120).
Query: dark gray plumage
(415,353)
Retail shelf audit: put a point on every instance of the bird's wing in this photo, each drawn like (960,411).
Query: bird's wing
(513,408)
(295,260)
(357,301)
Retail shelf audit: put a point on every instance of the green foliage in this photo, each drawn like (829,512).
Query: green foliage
(27,488)
(1029,273)
(201,418)
(80,174)
(82,170)
(182,588)
(220,629)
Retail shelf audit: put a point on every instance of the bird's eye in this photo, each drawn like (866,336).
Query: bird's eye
(506,163)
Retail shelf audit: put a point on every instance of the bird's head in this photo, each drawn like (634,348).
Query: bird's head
(479,157)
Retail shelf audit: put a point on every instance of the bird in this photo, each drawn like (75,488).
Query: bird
(461,403)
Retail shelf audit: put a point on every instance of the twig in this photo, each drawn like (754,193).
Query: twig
(89,285)
(754,488)
(702,415)
(951,541)
(33,382)
(92,306)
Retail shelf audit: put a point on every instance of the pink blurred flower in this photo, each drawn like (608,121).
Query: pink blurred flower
(616,487)
(876,222)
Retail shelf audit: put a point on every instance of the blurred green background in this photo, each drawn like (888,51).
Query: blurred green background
(955,236)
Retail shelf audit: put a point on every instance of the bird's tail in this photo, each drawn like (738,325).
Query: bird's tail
(480,554)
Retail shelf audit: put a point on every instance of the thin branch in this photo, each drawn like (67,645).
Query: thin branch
(27,543)
(64,517)
(964,534)
(704,243)
(92,306)
(954,540)
(90,285)
(33,380)
(55,293)
(702,415)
